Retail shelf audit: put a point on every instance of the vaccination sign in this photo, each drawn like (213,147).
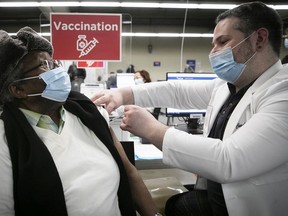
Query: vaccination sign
(86,36)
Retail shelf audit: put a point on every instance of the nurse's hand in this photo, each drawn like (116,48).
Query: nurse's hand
(114,98)
(140,122)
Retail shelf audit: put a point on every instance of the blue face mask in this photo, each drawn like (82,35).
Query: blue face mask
(286,43)
(58,84)
(224,65)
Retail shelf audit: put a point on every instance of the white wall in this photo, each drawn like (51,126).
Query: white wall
(165,50)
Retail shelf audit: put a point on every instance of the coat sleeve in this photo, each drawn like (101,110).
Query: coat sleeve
(254,148)
(178,94)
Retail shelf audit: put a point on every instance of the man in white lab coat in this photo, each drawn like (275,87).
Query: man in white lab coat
(244,151)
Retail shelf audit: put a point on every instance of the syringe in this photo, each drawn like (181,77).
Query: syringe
(88,47)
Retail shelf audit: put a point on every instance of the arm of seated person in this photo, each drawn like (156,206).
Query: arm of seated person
(141,196)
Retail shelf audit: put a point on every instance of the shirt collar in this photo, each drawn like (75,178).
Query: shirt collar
(232,88)
(35,118)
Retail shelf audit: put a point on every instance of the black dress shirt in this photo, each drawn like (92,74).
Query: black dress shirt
(215,192)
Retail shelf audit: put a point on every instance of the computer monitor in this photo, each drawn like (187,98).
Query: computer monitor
(125,79)
(201,77)
(89,89)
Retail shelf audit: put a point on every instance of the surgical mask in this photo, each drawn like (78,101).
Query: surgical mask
(138,81)
(286,43)
(58,84)
(224,65)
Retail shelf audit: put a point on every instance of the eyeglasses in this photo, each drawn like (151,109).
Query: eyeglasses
(46,65)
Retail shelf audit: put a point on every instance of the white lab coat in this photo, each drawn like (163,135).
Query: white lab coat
(251,162)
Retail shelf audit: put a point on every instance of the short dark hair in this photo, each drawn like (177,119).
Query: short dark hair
(255,15)
(73,71)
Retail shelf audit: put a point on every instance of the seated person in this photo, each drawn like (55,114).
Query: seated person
(142,76)
(111,81)
(130,69)
(77,77)
(58,155)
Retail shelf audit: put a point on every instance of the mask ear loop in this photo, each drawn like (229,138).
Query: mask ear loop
(250,58)
(255,51)
(27,78)
(33,95)
(243,40)
(245,63)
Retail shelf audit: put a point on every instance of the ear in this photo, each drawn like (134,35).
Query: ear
(262,39)
(17,91)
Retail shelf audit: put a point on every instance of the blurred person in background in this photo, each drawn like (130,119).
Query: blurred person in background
(142,76)
(77,77)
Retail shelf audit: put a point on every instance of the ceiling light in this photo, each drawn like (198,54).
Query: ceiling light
(125,4)
(135,5)
(100,4)
(279,7)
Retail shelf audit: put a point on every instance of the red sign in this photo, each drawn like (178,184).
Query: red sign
(86,36)
(90,64)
